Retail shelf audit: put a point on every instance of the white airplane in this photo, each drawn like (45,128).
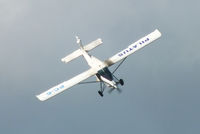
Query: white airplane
(98,68)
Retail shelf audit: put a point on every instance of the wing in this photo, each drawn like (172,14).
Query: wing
(133,47)
(65,85)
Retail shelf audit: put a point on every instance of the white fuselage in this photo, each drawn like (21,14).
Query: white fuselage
(103,74)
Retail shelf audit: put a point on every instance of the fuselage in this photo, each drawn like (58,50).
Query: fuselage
(103,73)
(106,76)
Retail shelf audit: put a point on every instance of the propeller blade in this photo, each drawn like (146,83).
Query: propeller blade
(119,90)
(111,90)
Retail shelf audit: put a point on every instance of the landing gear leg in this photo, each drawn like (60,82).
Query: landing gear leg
(102,87)
(100,93)
(121,81)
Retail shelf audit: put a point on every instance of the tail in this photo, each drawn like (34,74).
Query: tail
(79,42)
(78,52)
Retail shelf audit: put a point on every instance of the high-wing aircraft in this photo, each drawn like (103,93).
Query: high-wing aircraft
(98,68)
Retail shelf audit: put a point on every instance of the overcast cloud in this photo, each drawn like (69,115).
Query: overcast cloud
(161,91)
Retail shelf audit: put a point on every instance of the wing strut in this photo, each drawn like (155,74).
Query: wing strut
(88,82)
(119,65)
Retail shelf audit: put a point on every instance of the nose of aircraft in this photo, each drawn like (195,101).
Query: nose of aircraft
(114,84)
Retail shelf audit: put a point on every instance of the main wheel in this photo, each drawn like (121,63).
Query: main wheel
(100,93)
(121,81)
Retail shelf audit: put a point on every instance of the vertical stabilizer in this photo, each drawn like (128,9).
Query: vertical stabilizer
(79,42)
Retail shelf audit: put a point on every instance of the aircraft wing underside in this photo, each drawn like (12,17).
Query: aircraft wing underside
(65,85)
(133,48)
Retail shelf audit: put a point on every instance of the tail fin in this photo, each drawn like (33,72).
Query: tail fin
(78,52)
(79,42)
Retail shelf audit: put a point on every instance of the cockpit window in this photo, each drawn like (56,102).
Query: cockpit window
(106,73)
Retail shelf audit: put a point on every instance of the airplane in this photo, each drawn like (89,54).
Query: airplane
(98,68)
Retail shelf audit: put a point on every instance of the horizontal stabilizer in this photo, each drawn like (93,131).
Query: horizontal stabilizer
(92,45)
(72,56)
(78,52)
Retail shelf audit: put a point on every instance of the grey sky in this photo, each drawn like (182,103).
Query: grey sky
(161,92)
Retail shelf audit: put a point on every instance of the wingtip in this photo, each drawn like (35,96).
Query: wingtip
(63,60)
(39,98)
(158,32)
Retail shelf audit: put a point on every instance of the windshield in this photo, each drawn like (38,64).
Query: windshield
(105,72)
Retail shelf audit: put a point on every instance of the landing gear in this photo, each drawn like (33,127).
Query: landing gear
(100,93)
(102,88)
(121,82)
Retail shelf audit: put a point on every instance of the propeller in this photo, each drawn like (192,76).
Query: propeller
(112,89)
